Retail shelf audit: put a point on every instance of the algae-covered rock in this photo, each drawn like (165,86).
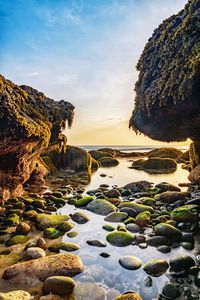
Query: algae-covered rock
(155,165)
(167,90)
(17,239)
(143,219)
(165,153)
(45,220)
(65,226)
(136,206)
(83,201)
(52,233)
(116,217)
(65,246)
(120,238)
(23,228)
(156,267)
(181,263)
(59,285)
(79,217)
(28,121)
(185,213)
(172,196)
(96,154)
(101,207)
(168,231)
(108,162)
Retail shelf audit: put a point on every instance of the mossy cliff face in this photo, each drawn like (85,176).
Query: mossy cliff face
(28,122)
(167,103)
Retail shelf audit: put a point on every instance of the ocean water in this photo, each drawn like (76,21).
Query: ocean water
(122,174)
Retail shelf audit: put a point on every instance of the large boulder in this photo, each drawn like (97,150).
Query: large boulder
(155,165)
(29,121)
(165,153)
(167,106)
(30,274)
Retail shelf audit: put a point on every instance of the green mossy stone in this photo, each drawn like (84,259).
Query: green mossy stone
(101,207)
(120,238)
(156,267)
(116,217)
(72,234)
(65,246)
(137,207)
(23,228)
(168,231)
(143,219)
(65,226)
(186,213)
(30,215)
(58,194)
(12,220)
(52,233)
(129,220)
(45,220)
(16,211)
(83,201)
(108,162)
(147,201)
(59,285)
(17,239)
(108,227)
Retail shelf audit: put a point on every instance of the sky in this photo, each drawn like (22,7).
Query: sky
(83,51)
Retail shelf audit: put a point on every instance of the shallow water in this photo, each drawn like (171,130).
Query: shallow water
(122,174)
(107,272)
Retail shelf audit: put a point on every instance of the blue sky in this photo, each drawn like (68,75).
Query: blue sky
(84,51)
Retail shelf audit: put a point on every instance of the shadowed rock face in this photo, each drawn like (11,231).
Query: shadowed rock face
(28,122)
(167,103)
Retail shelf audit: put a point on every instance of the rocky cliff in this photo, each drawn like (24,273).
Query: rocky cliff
(167,103)
(29,121)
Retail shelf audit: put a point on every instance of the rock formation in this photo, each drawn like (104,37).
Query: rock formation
(167,106)
(29,121)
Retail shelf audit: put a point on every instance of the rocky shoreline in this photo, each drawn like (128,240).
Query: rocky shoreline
(138,214)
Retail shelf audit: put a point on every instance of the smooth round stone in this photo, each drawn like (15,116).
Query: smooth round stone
(120,238)
(133,228)
(116,217)
(148,288)
(80,218)
(188,237)
(35,252)
(181,263)
(187,245)
(58,285)
(130,262)
(101,207)
(50,297)
(131,212)
(169,231)
(156,241)
(164,249)
(108,227)
(104,254)
(170,291)
(88,291)
(156,267)
(113,193)
(23,228)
